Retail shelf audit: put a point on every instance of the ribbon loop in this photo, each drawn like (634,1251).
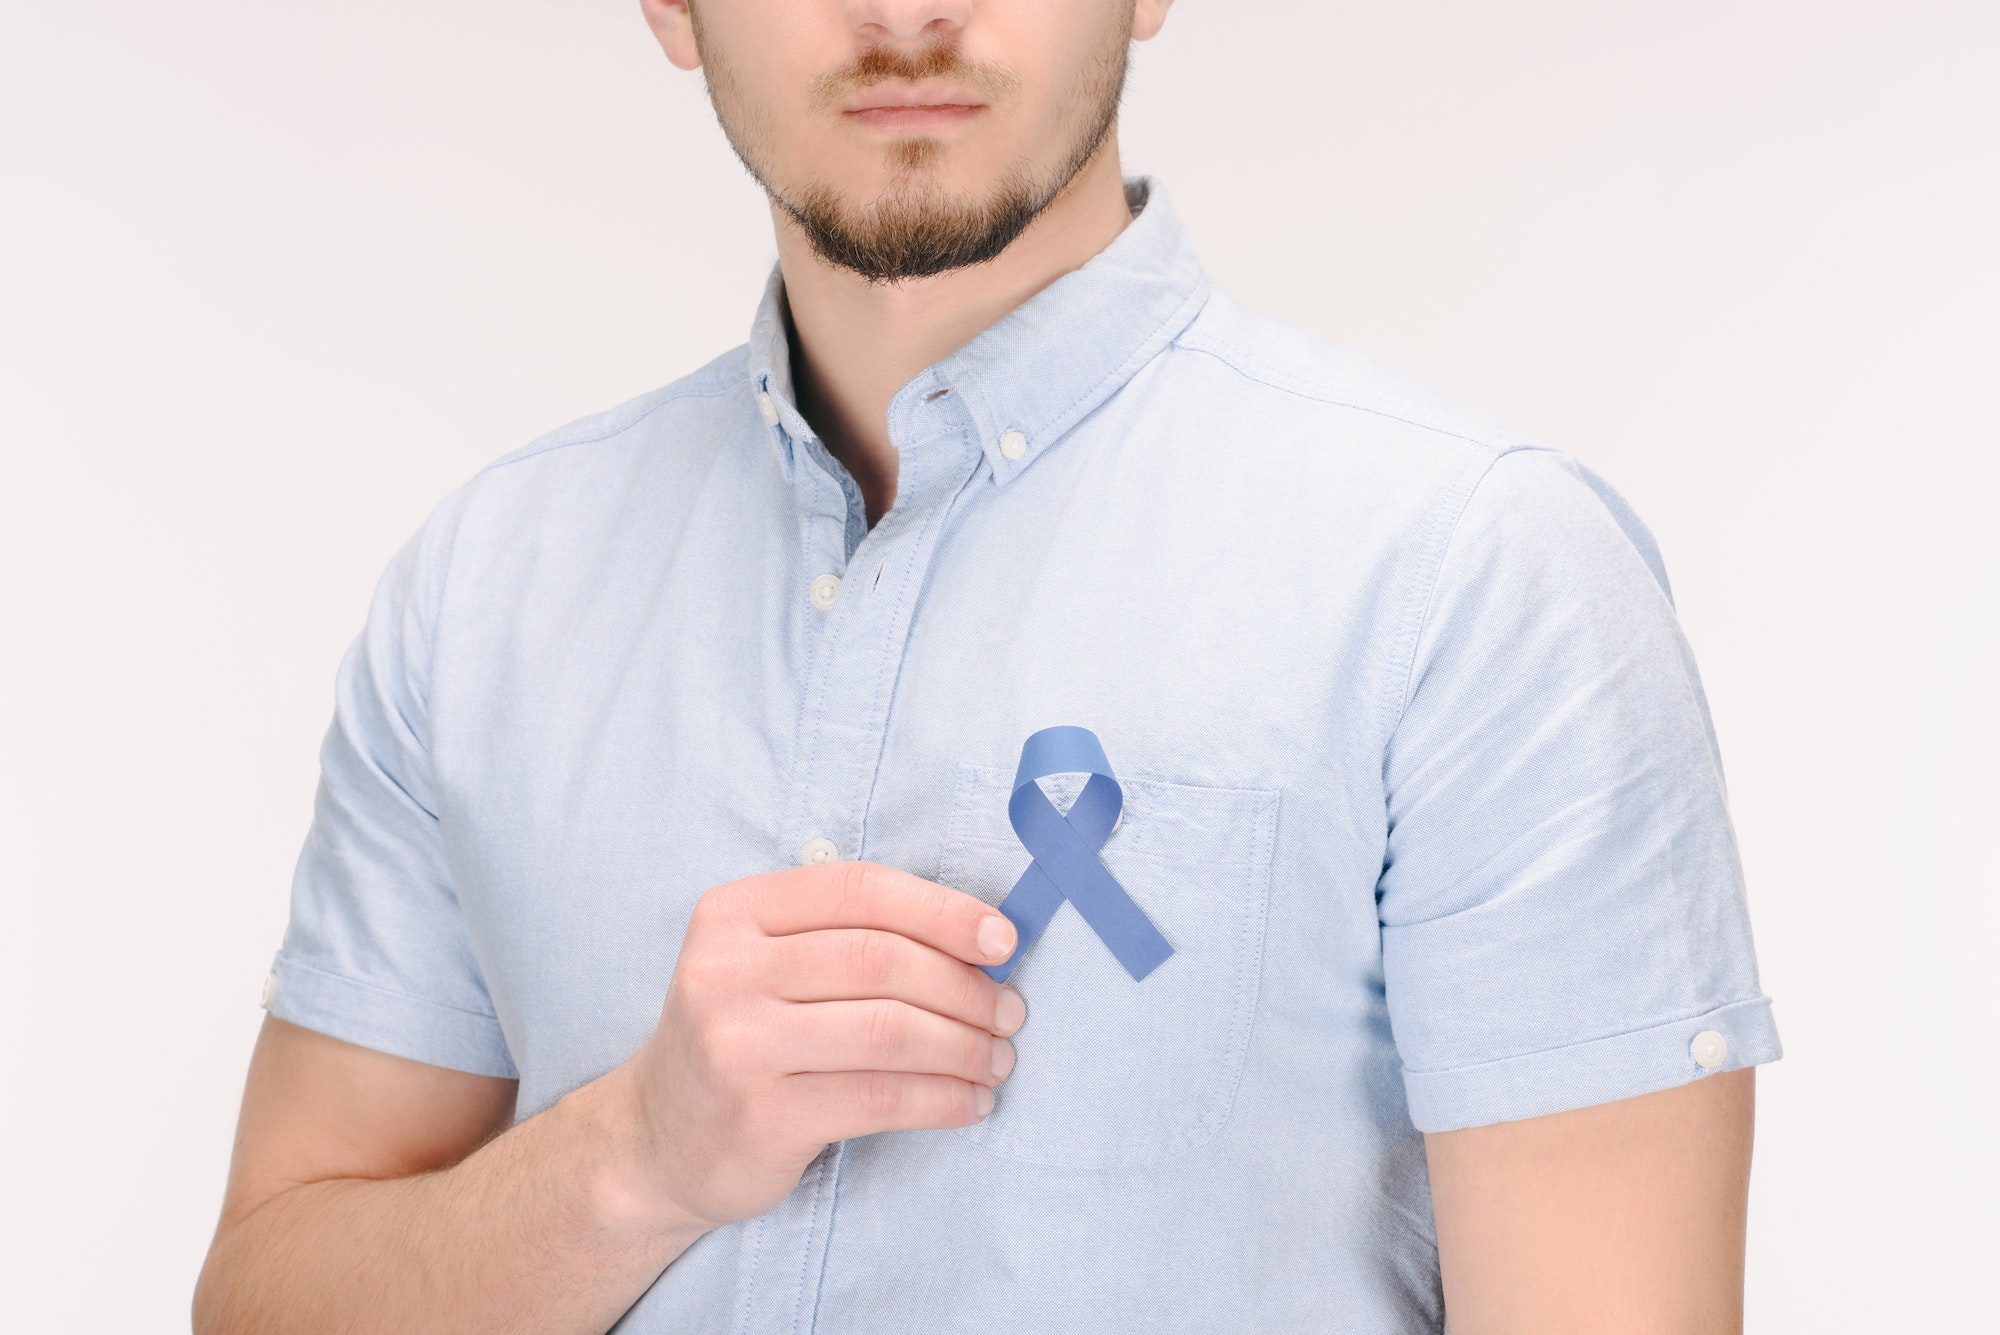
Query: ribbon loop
(1064,847)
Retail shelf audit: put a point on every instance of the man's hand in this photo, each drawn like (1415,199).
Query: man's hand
(370,1193)
(818,1004)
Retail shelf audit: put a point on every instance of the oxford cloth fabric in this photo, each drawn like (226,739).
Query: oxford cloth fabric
(1419,784)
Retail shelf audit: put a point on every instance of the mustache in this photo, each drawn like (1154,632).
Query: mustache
(939,59)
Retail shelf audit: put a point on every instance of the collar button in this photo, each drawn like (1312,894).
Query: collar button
(1013,444)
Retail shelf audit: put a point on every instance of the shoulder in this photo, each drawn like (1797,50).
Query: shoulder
(1544,504)
(657,439)
(1461,467)
(1333,427)
(1333,387)
(568,487)
(652,418)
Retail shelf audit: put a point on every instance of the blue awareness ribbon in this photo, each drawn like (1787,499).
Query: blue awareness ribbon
(1064,847)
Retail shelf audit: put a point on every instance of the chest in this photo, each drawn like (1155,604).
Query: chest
(683,711)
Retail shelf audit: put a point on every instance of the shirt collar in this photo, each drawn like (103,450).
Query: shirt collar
(1050,361)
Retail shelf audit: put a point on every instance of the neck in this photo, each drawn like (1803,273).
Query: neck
(855,343)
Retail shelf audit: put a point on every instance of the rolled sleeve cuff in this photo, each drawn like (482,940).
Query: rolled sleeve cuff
(1603,1070)
(375,1017)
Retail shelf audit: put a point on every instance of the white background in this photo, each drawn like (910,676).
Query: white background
(273,278)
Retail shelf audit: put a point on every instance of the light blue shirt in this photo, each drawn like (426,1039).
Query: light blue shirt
(1419,784)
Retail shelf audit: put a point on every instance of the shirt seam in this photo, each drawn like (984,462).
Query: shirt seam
(813,693)
(292,962)
(428,614)
(1532,1053)
(1451,517)
(598,430)
(832,1209)
(749,1278)
(1156,341)
(1179,320)
(1405,687)
(1236,362)
(1437,543)
(428,619)
(805,1260)
(932,533)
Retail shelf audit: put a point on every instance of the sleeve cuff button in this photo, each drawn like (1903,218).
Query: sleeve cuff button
(1709,1049)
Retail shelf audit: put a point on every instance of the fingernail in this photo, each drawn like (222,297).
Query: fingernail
(996,938)
(1009,1011)
(1003,1058)
(983,1098)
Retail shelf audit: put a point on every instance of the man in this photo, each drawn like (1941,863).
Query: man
(643,952)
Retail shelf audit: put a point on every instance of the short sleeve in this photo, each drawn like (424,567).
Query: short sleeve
(1562,905)
(377,951)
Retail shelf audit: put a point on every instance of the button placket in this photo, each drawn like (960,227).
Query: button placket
(857,638)
(861,636)
(861,628)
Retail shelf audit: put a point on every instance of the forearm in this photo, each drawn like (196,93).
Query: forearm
(807,1006)
(547,1228)
(1627,1216)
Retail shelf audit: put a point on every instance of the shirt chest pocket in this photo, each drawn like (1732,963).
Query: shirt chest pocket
(1111,1072)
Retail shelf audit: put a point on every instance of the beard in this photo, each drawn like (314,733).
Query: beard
(916,228)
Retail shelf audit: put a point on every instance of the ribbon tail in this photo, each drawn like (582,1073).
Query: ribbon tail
(1029,906)
(1120,923)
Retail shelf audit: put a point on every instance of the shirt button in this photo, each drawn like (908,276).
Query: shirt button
(270,989)
(817,851)
(824,590)
(1013,444)
(1708,1049)
(769,407)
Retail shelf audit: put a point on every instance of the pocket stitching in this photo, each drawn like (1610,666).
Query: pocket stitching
(1252,955)
(1245,991)
(1251,801)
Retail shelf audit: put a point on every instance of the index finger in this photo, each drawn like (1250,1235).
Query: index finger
(869,894)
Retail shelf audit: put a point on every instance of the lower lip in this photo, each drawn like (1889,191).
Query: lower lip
(916,118)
